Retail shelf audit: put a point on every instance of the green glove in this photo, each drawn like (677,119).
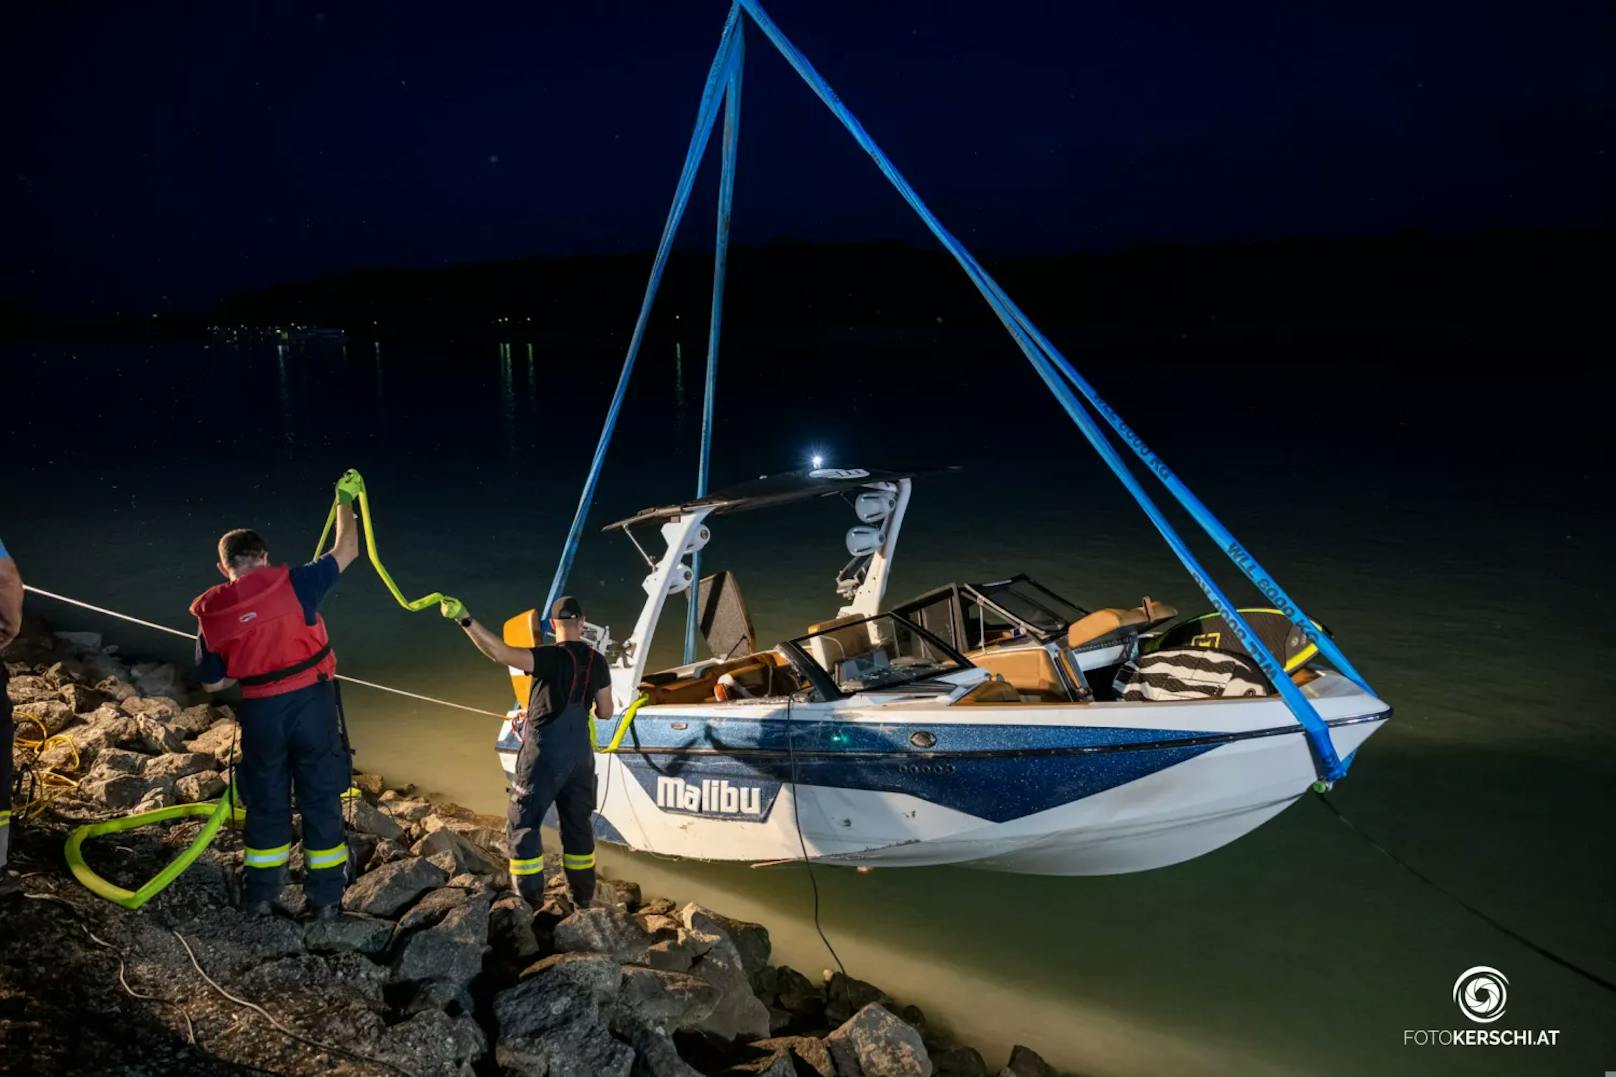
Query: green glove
(452,608)
(350,486)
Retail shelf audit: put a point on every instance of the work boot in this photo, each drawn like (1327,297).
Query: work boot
(325,913)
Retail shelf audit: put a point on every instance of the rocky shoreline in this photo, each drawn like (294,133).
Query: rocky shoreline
(435,967)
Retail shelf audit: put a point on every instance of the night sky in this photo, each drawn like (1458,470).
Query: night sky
(163,156)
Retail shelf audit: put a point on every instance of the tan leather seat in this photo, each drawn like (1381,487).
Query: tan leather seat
(1029,670)
(1102,623)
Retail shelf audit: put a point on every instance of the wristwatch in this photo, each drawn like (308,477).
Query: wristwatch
(465,622)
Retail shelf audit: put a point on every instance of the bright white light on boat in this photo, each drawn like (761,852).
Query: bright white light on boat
(818,461)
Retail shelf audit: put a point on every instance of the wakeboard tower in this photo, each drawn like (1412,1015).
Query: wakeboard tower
(891,738)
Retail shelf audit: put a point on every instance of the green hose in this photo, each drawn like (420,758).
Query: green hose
(225,809)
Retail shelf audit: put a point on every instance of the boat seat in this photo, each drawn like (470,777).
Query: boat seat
(993,690)
(1113,624)
(834,642)
(1030,670)
(760,674)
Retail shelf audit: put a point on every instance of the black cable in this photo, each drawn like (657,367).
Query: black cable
(1592,977)
(796,815)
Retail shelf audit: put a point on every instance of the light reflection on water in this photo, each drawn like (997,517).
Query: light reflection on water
(1456,570)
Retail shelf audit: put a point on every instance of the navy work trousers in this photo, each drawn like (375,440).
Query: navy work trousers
(555,766)
(288,741)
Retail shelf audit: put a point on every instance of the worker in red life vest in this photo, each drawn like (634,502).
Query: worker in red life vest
(261,631)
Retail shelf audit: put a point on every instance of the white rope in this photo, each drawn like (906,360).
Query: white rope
(192,636)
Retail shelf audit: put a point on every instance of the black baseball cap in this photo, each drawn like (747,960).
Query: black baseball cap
(566,608)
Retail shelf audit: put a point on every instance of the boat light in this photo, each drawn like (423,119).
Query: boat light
(817,460)
(862,541)
(873,506)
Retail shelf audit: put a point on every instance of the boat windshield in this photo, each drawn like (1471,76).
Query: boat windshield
(1031,602)
(857,654)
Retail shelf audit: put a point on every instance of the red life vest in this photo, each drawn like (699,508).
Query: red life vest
(256,625)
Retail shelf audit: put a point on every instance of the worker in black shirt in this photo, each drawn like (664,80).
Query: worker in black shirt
(556,763)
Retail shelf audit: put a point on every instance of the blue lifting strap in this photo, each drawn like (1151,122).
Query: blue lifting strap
(726,204)
(1327,763)
(711,96)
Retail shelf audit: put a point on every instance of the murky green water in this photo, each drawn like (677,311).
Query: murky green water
(1449,534)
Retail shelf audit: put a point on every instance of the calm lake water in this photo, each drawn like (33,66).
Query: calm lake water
(1450,528)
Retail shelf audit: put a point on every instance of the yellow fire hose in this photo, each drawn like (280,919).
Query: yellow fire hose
(227,809)
(622,727)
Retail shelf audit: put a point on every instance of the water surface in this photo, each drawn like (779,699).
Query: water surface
(1448,533)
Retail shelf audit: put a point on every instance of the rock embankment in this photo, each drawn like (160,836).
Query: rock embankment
(434,966)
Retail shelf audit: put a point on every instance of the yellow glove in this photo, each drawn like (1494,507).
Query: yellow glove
(452,608)
(350,486)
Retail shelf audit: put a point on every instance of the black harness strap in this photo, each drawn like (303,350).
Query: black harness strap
(288,671)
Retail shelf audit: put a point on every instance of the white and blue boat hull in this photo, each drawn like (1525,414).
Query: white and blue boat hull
(1062,789)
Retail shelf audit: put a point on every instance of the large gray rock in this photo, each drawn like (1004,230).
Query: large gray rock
(463,854)
(875,1043)
(955,1060)
(654,1052)
(118,761)
(596,975)
(778,1064)
(810,1053)
(194,721)
(604,931)
(433,1042)
(349,932)
(159,679)
(798,994)
(510,928)
(115,790)
(399,806)
(846,996)
(179,764)
(739,1013)
(385,852)
(431,909)
(195,788)
(113,685)
(1025,1062)
(392,888)
(366,818)
(751,940)
(350,974)
(451,952)
(669,1000)
(157,736)
(228,944)
(218,740)
(161,708)
(80,698)
(53,714)
(549,1026)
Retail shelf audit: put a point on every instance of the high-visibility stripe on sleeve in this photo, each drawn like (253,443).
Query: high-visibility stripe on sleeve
(5,818)
(581,862)
(531,866)
(333,857)
(267,858)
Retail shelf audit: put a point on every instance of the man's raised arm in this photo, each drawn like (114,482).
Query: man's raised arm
(485,641)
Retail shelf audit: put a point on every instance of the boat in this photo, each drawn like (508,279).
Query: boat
(893,737)
(871,740)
